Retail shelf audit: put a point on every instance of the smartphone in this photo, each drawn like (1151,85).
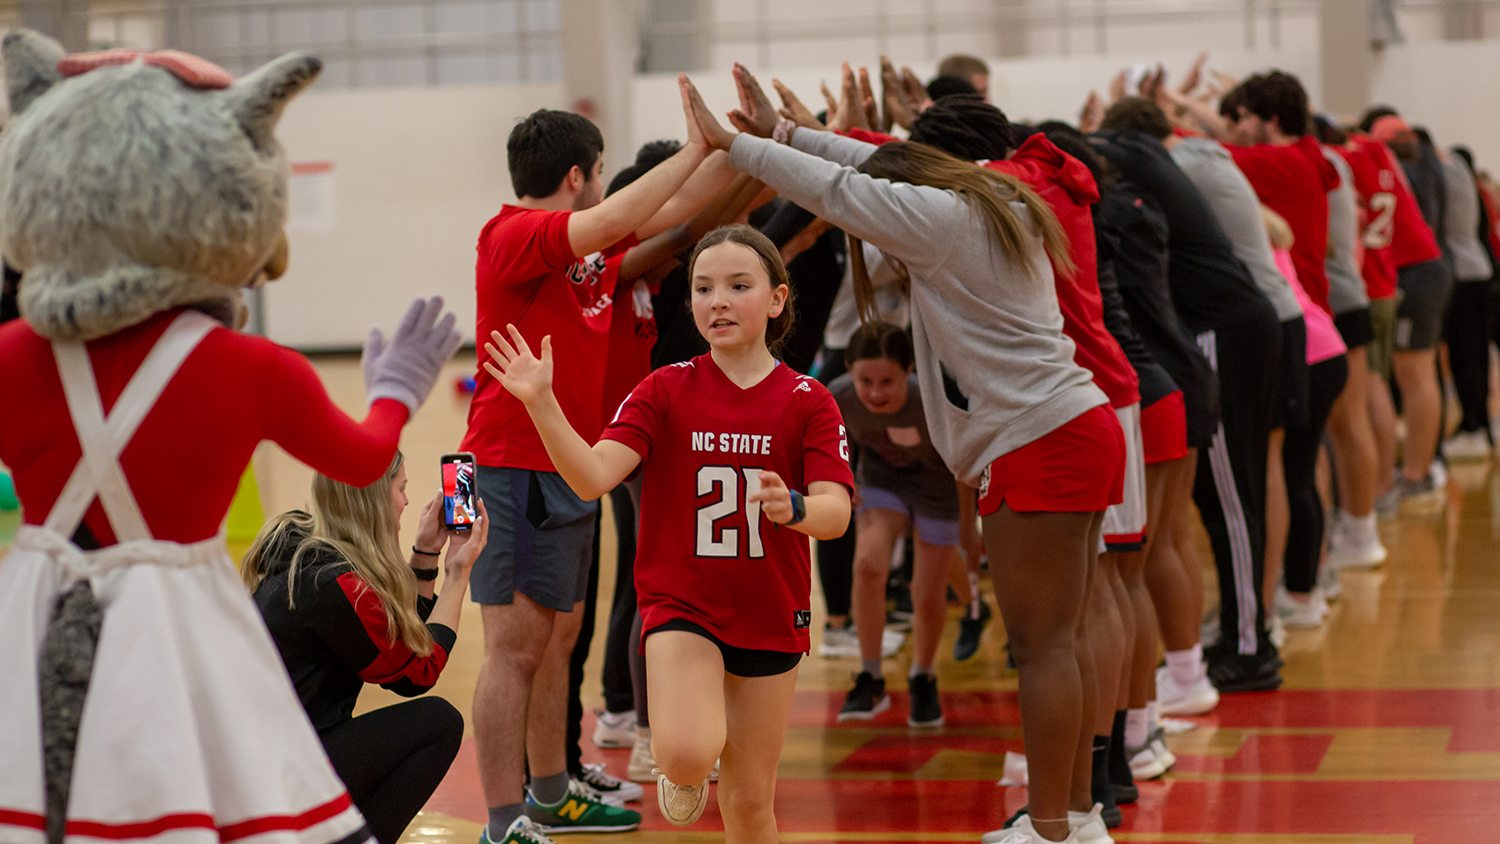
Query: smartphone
(459,509)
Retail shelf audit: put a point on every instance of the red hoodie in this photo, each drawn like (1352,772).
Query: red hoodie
(1068,188)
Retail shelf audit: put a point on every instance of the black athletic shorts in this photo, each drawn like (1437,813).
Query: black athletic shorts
(1355,327)
(1425,289)
(741,662)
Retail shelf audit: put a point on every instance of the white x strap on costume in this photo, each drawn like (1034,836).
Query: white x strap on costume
(190,731)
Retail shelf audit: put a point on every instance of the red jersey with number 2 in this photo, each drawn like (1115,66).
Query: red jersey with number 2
(706,553)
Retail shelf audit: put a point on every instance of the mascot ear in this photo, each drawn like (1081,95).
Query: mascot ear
(30,66)
(257,99)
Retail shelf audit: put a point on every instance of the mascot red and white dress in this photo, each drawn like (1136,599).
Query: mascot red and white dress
(143,699)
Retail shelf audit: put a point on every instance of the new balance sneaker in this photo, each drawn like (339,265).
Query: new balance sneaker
(1467,446)
(681,805)
(1018,830)
(1231,671)
(582,810)
(642,763)
(612,789)
(523,830)
(1300,615)
(866,700)
(614,729)
(969,629)
(1197,699)
(926,708)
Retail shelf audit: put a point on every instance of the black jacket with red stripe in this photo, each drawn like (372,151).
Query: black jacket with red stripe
(335,639)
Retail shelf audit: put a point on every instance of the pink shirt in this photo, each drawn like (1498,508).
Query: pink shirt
(1323,340)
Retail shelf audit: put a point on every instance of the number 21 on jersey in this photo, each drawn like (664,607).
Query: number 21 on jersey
(725,541)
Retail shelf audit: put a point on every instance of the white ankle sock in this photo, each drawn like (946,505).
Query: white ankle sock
(1185,667)
(1153,717)
(1136,732)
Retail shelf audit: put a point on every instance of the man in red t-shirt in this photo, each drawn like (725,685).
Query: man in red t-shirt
(549,264)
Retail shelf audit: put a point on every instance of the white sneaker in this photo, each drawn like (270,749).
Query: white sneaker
(1328,582)
(1439,473)
(1024,833)
(1177,726)
(681,805)
(614,729)
(1089,826)
(642,763)
(1276,630)
(1145,763)
(1355,543)
(1171,699)
(841,642)
(1467,447)
(1163,753)
(611,788)
(1300,615)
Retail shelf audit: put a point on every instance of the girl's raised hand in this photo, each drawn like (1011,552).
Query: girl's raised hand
(527,377)
(775,499)
(755,115)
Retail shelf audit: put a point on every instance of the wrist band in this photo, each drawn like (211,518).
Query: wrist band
(416,550)
(782,134)
(426,574)
(799,508)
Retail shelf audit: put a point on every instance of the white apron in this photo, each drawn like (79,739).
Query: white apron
(190,730)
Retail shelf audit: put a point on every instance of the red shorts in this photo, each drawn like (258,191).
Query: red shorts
(1077,468)
(1164,429)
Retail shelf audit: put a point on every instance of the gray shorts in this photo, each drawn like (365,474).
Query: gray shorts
(1425,288)
(541,539)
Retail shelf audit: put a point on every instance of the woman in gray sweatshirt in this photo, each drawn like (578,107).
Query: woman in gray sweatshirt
(1007,408)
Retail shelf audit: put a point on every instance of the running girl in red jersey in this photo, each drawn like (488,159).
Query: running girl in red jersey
(728,437)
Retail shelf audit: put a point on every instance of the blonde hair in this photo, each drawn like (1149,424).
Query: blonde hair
(359,524)
(989,195)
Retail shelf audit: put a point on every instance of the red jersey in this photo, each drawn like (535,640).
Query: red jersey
(1412,239)
(1294,181)
(527,275)
(1068,188)
(706,553)
(185,461)
(632,335)
(1374,183)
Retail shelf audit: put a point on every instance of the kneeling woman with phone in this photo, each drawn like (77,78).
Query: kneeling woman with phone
(346,607)
(741,460)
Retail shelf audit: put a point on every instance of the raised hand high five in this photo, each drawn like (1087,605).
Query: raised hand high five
(526,376)
(793,109)
(714,133)
(756,115)
(898,107)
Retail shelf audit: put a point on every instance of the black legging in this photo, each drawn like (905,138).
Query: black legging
(392,759)
(1299,460)
(619,695)
(1467,330)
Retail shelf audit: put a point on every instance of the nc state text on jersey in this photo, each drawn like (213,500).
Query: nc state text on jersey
(732,443)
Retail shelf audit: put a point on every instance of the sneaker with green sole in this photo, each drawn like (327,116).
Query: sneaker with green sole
(582,810)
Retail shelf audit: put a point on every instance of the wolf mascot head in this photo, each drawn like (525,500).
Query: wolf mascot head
(135,187)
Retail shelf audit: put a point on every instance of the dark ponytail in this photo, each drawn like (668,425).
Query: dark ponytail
(880,341)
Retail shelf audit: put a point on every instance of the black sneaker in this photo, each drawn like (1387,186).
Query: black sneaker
(926,709)
(967,643)
(1125,794)
(866,699)
(1231,671)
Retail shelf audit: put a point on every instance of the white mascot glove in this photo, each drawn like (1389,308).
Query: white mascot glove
(406,368)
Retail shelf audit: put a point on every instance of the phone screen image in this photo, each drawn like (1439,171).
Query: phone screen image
(458,492)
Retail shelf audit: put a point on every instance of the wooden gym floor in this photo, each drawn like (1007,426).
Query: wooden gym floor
(1387,729)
